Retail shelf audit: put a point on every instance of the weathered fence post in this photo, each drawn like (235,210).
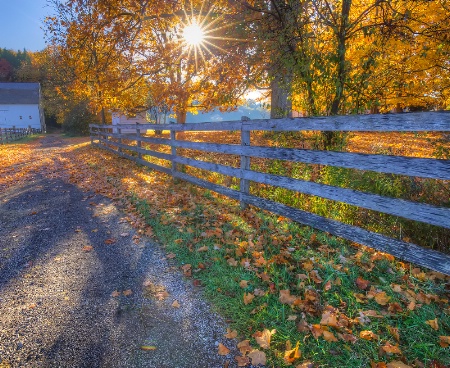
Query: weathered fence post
(1,136)
(138,140)
(119,130)
(245,165)
(173,138)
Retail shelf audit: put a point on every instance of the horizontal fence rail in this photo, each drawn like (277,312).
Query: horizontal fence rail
(13,134)
(102,136)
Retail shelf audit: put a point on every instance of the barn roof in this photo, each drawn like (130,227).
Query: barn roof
(19,93)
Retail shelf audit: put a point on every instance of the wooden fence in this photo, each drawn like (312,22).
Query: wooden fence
(13,134)
(102,136)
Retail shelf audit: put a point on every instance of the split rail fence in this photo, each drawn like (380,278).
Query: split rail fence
(102,136)
(13,134)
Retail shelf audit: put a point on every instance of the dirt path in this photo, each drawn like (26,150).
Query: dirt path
(79,287)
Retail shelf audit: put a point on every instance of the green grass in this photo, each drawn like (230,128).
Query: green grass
(286,246)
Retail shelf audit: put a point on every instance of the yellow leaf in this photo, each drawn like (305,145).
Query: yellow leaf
(433,323)
(222,349)
(87,248)
(382,298)
(263,337)
(148,347)
(290,355)
(175,304)
(257,357)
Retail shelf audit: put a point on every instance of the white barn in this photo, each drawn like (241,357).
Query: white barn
(119,118)
(20,106)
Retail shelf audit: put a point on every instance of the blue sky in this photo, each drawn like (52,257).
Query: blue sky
(21,22)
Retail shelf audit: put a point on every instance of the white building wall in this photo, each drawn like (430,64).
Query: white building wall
(118,119)
(20,116)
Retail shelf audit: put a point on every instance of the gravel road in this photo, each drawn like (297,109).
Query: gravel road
(79,287)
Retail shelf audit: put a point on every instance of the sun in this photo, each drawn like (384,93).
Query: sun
(193,34)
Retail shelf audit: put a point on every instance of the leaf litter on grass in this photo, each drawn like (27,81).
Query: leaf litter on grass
(356,306)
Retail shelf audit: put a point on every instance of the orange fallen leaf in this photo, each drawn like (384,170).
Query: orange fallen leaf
(287,298)
(348,337)
(314,275)
(329,336)
(115,294)
(110,241)
(292,317)
(378,365)
(171,255)
(329,319)
(162,295)
(87,248)
(391,349)
(127,292)
(382,298)
(290,355)
(362,284)
(187,270)
(231,334)
(444,341)
(203,249)
(175,304)
(263,337)
(433,323)
(257,357)
(248,297)
(368,335)
(222,349)
(306,364)
(316,331)
(232,262)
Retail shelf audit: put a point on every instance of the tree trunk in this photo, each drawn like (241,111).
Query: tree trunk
(280,100)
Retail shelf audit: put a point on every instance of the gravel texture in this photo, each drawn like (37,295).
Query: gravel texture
(58,278)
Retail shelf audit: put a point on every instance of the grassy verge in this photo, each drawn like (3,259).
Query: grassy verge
(344,305)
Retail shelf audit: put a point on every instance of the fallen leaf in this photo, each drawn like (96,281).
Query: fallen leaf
(222,349)
(394,332)
(115,294)
(368,335)
(161,295)
(391,349)
(243,284)
(248,297)
(397,364)
(378,365)
(316,331)
(348,337)
(329,336)
(87,248)
(187,270)
(242,361)
(244,347)
(287,298)
(127,292)
(110,241)
(433,323)
(175,304)
(292,317)
(263,337)
(329,318)
(308,265)
(444,341)
(257,357)
(124,234)
(231,334)
(148,347)
(171,255)
(290,355)
(203,249)
(314,275)
(382,298)
(327,286)
(362,284)
(232,262)
(305,365)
